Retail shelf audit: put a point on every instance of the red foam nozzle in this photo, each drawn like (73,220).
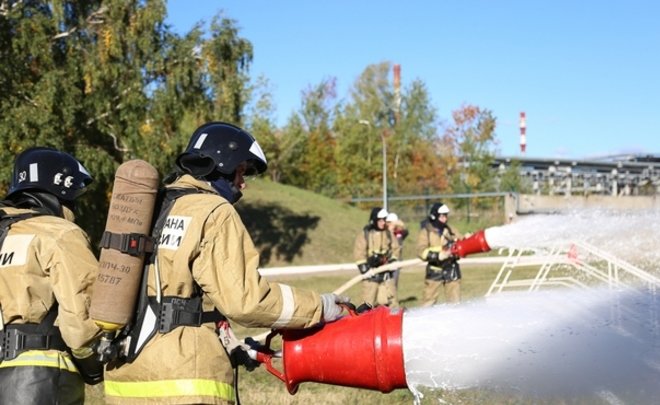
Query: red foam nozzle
(476,243)
(361,350)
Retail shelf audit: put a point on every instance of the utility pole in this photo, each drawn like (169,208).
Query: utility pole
(394,111)
(384,148)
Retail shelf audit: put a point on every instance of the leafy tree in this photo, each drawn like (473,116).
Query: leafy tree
(228,59)
(109,82)
(260,120)
(308,142)
(293,144)
(471,138)
(361,126)
(413,158)
(372,118)
(318,161)
(356,170)
(510,179)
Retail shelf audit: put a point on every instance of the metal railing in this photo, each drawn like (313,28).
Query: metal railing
(573,265)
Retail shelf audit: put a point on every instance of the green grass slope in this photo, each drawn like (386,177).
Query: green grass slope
(291,226)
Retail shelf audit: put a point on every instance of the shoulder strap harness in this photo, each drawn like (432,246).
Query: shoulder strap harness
(154,316)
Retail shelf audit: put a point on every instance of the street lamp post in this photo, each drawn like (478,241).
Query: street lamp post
(464,177)
(384,148)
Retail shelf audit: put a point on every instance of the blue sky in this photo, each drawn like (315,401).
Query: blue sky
(586,73)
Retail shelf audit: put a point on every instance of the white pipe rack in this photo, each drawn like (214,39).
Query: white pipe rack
(578,264)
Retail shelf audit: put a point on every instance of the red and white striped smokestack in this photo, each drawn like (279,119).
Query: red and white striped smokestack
(523,136)
(397,90)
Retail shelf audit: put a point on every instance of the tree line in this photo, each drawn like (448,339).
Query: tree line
(110,81)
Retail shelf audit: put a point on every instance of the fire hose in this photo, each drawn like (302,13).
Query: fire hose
(350,283)
(256,350)
(318,354)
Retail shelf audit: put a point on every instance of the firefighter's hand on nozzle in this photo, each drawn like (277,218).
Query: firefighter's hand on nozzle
(331,308)
(364,307)
(240,356)
(454,251)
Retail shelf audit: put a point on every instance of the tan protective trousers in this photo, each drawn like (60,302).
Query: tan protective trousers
(432,291)
(384,293)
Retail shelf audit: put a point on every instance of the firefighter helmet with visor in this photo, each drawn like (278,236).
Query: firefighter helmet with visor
(376,214)
(221,147)
(438,209)
(49,170)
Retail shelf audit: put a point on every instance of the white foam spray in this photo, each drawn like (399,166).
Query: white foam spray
(561,344)
(630,235)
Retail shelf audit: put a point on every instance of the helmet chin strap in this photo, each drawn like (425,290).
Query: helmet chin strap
(439,226)
(227,189)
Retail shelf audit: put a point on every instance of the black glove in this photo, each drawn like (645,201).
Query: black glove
(364,307)
(375,261)
(90,369)
(432,257)
(363,268)
(239,357)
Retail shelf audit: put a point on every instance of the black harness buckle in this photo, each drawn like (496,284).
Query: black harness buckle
(134,244)
(177,311)
(15,341)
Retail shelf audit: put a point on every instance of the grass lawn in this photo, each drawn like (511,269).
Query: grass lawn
(260,387)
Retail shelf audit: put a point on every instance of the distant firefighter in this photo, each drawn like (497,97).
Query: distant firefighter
(434,244)
(400,232)
(375,245)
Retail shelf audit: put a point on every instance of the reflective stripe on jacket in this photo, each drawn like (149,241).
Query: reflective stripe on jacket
(171,389)
(42,358)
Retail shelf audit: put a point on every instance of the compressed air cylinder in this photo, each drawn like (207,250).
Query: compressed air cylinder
(128,226)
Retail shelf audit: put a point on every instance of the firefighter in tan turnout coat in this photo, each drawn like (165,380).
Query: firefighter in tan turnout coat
(375,245)
(205,269)
(46,271)
(433,245)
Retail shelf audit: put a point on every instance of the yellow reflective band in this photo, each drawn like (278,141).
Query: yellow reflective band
(170,388)
(41,358)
